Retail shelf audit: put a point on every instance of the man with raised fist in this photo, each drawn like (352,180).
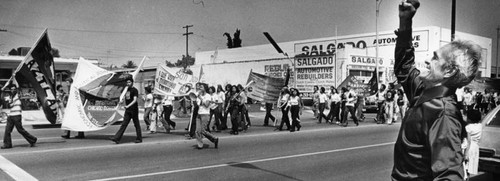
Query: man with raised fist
(428,144)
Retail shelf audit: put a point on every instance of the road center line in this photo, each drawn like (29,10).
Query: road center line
(14,171)
(245,162)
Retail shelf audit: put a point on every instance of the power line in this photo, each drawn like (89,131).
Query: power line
(91,31)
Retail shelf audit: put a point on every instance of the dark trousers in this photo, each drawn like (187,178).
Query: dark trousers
(380,114)
(192,124)
(234,118)
(224,119)
(244,118)
(147,111)
(284,118)
(134,115)
(334,111)
(352,111)
(15,121)
(295,117)
(321,115)
(269,108)
(167,111)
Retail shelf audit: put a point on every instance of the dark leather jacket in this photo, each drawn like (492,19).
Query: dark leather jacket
(428,144)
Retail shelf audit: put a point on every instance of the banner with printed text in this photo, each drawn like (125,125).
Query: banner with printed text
(173,81)
(264,88)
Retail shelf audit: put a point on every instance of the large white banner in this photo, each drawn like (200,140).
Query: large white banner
(173,81)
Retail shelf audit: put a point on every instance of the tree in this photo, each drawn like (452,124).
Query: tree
(55,52)
(129,64)
(235,41)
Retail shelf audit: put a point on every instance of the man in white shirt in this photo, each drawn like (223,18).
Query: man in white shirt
(351,100)
(148,105)
(380,104)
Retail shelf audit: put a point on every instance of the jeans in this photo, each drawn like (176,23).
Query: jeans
(201,132)
(15,121)
(321,115)
(284,118)
(352,111)
(147,111)
(167,111)
(134,115)
(269,108)
(334,112)
(295,117)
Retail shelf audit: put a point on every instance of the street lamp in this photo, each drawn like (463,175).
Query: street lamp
(377,5)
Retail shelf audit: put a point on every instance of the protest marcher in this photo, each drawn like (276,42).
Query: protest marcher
(194,113)
(380,105)
(343,102)
(389,107)
(14,119)
(167,103)
(334,105)
(227,97)
(428,146)
(479,100)
(213,125)
(203,101)
(359,106)
(232,107)
(321,105)
(148,105)
(315,98)
(471,142)
(219,98)
(245,119)
(131,112)
(485,104)
(349,107)
(468,99)
(156,115)
(295,106)
(282,102)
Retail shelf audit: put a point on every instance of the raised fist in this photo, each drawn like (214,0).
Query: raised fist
(408,8)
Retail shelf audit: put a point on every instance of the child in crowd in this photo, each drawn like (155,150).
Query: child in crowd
(470,144)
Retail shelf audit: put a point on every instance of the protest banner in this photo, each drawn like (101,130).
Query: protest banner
(37,68)
(264,88)
(93,98)
(173,81)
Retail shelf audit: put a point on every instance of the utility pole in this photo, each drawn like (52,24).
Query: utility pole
(496,63)
(453,9)
(377,7)
(187,36)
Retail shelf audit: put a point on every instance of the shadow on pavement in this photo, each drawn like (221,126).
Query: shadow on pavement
(250,166)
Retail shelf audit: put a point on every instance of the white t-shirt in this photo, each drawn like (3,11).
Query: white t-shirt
(294,100)
(322,98)
(167,100)
(203,109)
(148,100)
(335,97)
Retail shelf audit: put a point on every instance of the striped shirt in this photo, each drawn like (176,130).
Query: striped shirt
(15,105)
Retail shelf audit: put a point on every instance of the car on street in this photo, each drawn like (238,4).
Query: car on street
(489,144)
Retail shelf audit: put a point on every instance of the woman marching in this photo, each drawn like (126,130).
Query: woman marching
(156,115)
(334,105)
(295,105)
(167,109)
(203,101)
(321,105)
(282,102)
(233,109)
(220,98)
(215,124)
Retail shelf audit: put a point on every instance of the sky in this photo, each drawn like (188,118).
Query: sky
(115,31)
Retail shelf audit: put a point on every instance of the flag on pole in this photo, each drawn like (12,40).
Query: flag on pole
(373,83)
(201,73)
(37,68)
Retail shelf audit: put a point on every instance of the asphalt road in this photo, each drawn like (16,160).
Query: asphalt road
(317,152)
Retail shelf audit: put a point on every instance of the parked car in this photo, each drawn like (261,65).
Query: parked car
(489,145)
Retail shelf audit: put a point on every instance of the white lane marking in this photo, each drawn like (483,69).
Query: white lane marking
(112,145)
(14,171)
(251,161)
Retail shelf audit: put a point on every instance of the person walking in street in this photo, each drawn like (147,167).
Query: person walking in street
(131,112)
(14,119)
(349,106)
(380,119)
(428,146)
(282,102)
(471,143)
(220,98)
(232,107)
(359,106)
(295,106)
(156,115)
(389,107)
(315,98)
(468,99)
(334,105)
(204,101)
(148,106)
(167,103)
(321,106)
(402,103)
